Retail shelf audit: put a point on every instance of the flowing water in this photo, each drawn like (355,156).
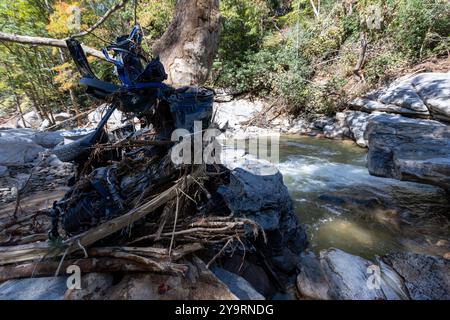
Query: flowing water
(342,206)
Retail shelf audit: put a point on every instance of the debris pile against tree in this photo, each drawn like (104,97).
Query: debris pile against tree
(131,208)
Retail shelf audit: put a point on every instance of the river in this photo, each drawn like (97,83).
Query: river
(342,206)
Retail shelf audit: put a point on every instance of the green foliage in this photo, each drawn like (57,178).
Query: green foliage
(293,56)
(44,75)
(421,27)
(244,24)
(278,49)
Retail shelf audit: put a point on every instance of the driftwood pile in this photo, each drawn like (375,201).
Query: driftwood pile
(157,214)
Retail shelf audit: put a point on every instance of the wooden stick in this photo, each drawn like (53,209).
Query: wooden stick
(158,253)
(110,11)
(41,41)
(48,268)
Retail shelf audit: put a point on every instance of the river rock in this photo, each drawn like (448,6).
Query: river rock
(114,122)
(342,276)
(236,112)
(368,105)
(32,119)
(93,287)
(19,146)
(62,116)
(357,123)
(236,116)
(45,288)
(48,139)
(338,129)
(348,276)
(18,150)
(422,95)
(434,89)
(409,149)
(256,191)
(198,284)
(237,284)
(312,282)
(3,171)
(426,277)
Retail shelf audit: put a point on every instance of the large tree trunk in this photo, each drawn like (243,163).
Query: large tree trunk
(188,47)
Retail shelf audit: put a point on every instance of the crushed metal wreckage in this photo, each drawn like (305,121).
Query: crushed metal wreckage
(131,208)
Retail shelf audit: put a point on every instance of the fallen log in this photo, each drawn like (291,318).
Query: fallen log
(158,266)
(158,253)
(49,268)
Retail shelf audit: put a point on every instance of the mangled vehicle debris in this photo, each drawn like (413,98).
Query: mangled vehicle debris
(132,209)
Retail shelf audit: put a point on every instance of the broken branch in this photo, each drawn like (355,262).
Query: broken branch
(42,41)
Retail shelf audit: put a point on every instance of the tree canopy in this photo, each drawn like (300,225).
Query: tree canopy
(306,53)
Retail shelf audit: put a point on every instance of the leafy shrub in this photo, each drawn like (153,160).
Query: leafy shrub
(420,26)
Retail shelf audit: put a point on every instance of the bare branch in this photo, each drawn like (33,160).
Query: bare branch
(118,6)
(42,41)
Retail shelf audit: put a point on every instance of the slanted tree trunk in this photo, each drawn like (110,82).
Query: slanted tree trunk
(188,47)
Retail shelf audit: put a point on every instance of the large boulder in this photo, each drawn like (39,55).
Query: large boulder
(256,191)
(46,288)
(339,275)
(434,89)
(235,112)
(18,150)
(409,149)
(426,277)
(422,96)
(198,284)
(19,146)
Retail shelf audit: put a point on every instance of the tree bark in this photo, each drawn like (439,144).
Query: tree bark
(188,47)
(51,42)
(361,56)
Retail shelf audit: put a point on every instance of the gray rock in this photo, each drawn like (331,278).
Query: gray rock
(46,288)
(422,95)
(357,123)
(237,285)
(114,122)
(338,129)
(312,282)
(235,112)
(93,287)
(341,276)
(17,150)
(409,149)
(48,139)
(19,146)
(434,89)
(348,276)
(256,190)
(3,171)
(32,119)
(44,125)
(368,105)
(426,277)
(62,116)
(198,284)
